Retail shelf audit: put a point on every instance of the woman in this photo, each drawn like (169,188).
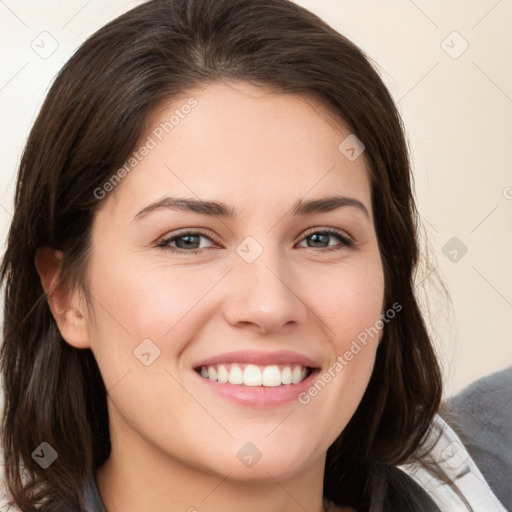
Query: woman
(284,365)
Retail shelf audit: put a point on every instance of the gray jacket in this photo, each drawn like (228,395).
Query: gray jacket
(481,415)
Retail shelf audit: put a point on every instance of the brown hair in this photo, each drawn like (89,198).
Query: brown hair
(90,122)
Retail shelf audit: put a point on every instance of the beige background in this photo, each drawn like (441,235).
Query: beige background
(454,91)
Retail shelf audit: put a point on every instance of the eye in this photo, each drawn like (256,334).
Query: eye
(190,241)
(184,241)
(321,237)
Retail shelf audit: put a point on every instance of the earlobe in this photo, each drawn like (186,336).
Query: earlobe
(63,303)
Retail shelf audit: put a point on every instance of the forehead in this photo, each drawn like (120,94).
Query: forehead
(240,144)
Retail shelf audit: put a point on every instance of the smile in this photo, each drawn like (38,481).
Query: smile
(254,375)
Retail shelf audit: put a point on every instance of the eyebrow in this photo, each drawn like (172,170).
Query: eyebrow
(219,209)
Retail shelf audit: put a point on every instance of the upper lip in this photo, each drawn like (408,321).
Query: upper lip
(260,358)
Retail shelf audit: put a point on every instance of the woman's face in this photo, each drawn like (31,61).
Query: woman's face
(254,298)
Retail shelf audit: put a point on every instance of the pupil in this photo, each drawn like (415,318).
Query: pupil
(316,237)
(186,237)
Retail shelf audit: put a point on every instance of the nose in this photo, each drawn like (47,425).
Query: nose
(264,294)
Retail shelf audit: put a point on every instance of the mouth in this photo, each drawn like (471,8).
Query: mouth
(257,379)
(252,375)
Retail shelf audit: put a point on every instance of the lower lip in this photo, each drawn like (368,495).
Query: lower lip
(259,396)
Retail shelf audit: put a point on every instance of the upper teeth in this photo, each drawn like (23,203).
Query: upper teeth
(252,375)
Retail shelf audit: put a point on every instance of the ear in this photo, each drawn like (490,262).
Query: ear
(67,310)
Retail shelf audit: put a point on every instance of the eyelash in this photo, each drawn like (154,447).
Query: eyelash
(345,242)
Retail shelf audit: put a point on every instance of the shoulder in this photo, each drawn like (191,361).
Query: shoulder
(486,403)
(444,451)
(481,415)
(498,382)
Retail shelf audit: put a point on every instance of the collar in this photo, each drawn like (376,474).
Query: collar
(449,454)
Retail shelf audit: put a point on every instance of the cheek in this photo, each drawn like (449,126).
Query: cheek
(350,308)
(147,301)
(139,330)
(347,300)
(132,304)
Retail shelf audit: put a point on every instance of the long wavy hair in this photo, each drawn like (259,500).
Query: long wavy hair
(90,122)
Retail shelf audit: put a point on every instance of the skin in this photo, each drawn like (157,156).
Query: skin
(173,440)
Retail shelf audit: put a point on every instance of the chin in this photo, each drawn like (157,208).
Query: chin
(265,461)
